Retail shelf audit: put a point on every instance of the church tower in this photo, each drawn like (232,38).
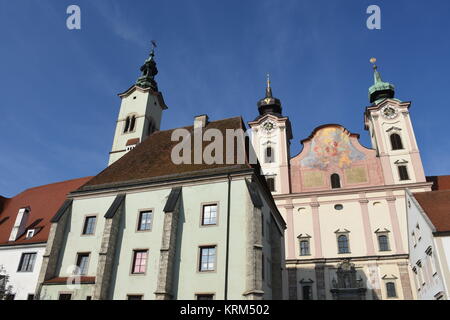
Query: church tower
(271,135)
(140,111)
(389,124)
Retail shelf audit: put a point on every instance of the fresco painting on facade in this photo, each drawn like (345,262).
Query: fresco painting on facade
(331,147)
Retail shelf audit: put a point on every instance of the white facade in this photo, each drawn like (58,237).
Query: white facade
(271,132)
(139,115)
(429,255)
(23,282)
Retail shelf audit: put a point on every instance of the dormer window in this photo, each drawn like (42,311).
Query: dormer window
(19,224)
(335,181)
(30,234)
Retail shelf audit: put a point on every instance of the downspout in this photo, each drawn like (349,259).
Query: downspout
(228,238)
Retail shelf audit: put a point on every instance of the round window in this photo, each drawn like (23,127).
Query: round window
(338,207)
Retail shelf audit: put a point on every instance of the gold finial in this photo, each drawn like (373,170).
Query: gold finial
(268,81)
(372,61)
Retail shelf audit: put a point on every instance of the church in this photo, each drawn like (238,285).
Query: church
(329,223)
(344,203)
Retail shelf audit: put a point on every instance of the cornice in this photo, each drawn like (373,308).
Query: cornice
(352,191)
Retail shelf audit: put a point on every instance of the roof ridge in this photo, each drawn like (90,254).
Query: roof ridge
(50,184)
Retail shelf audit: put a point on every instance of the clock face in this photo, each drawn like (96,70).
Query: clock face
(268,126)
(389,112)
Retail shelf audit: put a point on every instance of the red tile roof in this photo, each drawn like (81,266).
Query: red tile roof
(151,159)
(440,182)
(43,202)
(436,205)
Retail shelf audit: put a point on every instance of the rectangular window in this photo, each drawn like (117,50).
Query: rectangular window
(416,281)
(343,244)
(420,272)
(30,296)
(89,225)
(10,296)
(82,263)
(139,261)
(403,173)
(304,248)
(65,296)
(209,215)
(207,258)
(307,292)
(390,289)
(88,297)
(134,297)
(383,242)
(27,262)
(271,183)
(145,220)
(204,296)
(429,253)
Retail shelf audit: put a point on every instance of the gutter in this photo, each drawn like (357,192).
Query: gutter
(227,238)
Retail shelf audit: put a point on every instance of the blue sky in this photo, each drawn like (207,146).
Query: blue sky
(59,87)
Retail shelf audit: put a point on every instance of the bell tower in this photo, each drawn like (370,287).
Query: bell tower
(271,135)
(392,135)
(140,111)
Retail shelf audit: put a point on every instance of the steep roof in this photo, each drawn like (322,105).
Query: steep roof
(151,159)
(43,202)
(439,182)
(436,205)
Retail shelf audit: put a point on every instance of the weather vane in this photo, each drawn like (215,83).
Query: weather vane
(152,53)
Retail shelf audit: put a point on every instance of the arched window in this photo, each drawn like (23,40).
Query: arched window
(269,155)
(127,125)
(132,123)
(343,244)
(335,181)
(304,248)
(383,242)
(396,142)
(390,288)
(403,173)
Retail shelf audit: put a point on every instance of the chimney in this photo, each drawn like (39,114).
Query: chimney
(200,121)
(19,225)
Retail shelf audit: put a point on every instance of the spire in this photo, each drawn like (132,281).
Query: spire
(269,104)
(149,71)
(380,90)
(268,89)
